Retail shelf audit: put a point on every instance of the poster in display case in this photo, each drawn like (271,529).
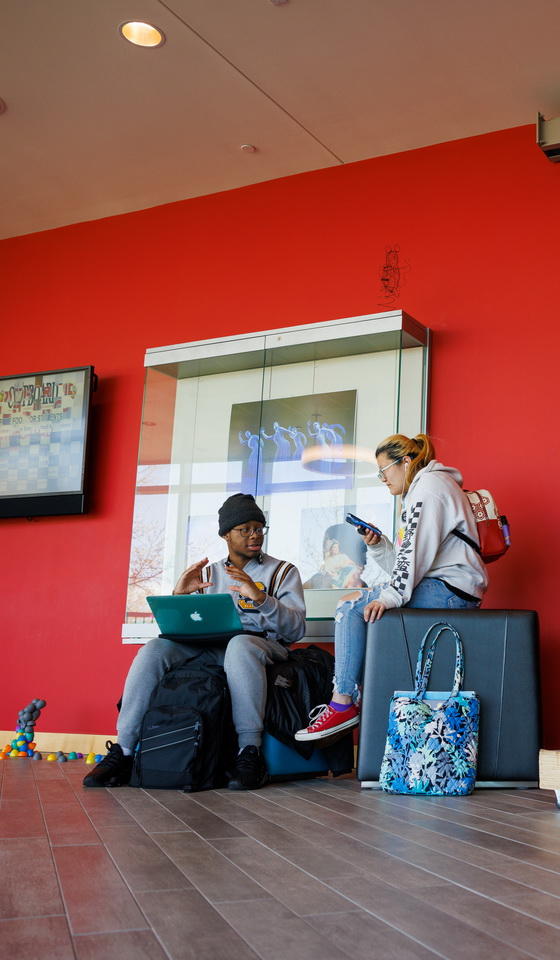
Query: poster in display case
(271,436)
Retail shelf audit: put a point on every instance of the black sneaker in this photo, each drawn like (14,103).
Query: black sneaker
(115,770)
(250,771)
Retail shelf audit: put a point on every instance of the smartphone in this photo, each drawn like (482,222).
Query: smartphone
(362,524)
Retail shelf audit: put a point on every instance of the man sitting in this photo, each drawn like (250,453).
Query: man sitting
(272,610)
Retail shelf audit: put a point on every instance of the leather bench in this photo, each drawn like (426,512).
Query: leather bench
(501,649)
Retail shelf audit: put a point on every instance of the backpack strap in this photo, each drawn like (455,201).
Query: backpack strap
(463,536)
(279,576)
(471,543)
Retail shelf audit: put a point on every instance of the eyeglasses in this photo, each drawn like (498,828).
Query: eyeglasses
(381,473)
(251,531)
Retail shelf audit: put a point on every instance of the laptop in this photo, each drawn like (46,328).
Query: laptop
(197,617)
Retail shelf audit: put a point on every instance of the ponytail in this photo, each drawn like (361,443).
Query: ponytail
(420,449)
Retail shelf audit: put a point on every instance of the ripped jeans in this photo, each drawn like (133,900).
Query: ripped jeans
(350,630)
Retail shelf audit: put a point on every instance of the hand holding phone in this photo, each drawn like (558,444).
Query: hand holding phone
(362,525)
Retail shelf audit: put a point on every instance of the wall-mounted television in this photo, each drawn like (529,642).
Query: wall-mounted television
(44,423)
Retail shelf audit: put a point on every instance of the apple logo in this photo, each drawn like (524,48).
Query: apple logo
(195,616)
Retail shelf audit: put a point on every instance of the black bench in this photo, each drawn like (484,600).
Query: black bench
(501,650)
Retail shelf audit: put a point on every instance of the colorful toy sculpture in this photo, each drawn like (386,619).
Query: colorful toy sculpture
(23,744)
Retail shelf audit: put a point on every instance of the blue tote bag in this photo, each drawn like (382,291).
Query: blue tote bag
(432,737)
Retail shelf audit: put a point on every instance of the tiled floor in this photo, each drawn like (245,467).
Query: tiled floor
(310,870)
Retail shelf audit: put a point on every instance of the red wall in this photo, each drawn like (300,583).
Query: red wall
(477,220)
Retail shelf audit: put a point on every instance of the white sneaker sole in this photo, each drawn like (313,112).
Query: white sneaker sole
(330,732)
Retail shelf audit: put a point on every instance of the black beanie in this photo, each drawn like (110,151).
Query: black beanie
(238,509)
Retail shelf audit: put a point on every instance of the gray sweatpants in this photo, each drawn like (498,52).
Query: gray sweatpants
(244,659)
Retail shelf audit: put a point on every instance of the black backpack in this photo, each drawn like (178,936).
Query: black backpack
(187,739)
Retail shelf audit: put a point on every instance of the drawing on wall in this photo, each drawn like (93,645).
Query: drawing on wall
(392,275)
(269,438)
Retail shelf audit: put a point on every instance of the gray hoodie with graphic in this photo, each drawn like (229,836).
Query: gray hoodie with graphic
(282,614)
(433,506)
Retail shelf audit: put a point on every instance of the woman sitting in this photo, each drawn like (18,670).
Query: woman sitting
(428,566)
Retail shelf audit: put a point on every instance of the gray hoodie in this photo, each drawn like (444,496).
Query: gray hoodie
(282,615)
(433,506)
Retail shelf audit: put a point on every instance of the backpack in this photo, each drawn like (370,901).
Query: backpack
(295,686)
(187,739)
(493,529)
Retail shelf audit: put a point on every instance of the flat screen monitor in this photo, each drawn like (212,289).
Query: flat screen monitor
(44,423)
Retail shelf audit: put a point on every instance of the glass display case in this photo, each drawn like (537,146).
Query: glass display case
(292,416)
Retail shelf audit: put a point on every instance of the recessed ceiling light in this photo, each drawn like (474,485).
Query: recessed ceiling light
(142,34)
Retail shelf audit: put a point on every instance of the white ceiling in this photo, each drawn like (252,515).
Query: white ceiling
(95,126)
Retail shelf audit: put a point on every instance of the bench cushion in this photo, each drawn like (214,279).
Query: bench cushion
(501,666)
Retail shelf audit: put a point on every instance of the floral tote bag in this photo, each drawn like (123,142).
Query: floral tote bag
(432,737)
